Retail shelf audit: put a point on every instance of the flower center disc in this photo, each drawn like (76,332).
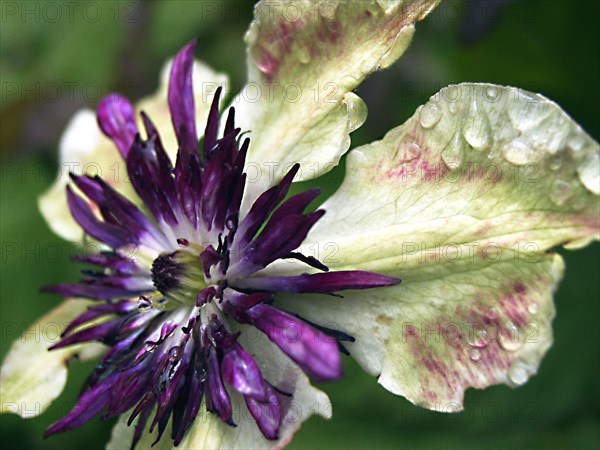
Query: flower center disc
(178,275)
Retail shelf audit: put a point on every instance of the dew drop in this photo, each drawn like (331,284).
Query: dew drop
(533,308)
(476,129)
(560,192)
(303,53)
(374,7)
(517,373)
(517,151)
(453,107)
(356,111)
(144,304)
(453,153)
(576,143)
(589,172)
(388,5)
(328,10)
(175,351)
(480,339)
(475,355)
(251,35)
(554,163)
(527,110)
(266,62)
(492,92)
(430,115)
(399,46)
(509,338)
(579,203)
(408,150)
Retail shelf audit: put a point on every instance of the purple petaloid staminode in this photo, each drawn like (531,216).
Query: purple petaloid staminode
(170,324)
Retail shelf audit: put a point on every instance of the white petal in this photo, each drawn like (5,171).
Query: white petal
(463,202)
(31,376)
(304,60)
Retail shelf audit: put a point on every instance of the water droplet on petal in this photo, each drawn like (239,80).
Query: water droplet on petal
(493,313)
(266,62)
(579,203)
(554,163)
(576,143)
(533,308)
(475,355)
(560,192)
(399,46)
(527,110)
(144,304)
(517,151)
(408,150)
(492,92)
(589,172)
(356,110)
(517,373)
(251,35)
(328,10)
(388,5)
(430,115)
(476,129)
(509,338)
(453,153)
(303,54)
(453,107)
(480,339)
(374,7)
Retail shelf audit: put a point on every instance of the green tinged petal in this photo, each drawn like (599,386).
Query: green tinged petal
(31,377)
(304,60)
(465,203)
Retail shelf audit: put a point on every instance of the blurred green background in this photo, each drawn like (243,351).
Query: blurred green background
(52,66)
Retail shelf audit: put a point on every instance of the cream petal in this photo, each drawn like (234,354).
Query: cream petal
(304,60)
(430,340)
(85,150)
(31,376)
(463,202)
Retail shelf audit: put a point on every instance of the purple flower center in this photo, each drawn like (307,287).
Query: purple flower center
(174,325)
(167,273)
(178,275)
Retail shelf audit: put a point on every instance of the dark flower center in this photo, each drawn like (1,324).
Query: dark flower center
(167,273)
(178,275)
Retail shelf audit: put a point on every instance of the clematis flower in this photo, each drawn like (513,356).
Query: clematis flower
(209,325)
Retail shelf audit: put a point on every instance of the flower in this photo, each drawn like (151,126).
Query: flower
(465,202)
(168,318)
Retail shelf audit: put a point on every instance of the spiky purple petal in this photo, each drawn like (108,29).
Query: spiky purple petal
(267,414)
(242,373)
(313,350)
(116,118)
(181,101)
(322,283)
